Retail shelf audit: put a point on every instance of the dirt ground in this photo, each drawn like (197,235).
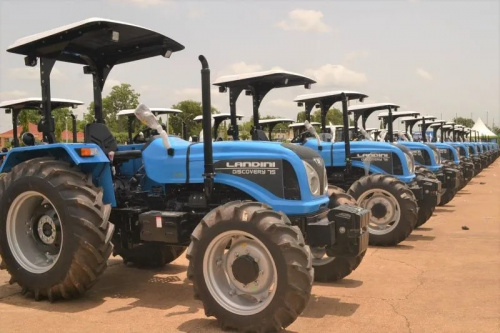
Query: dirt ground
(441,279)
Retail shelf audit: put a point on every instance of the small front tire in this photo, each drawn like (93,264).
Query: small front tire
(250,267)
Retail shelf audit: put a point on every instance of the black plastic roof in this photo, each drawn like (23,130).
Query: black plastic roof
(104,41)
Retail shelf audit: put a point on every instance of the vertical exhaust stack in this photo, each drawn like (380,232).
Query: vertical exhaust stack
(345,120)
(73,121)
(207,128)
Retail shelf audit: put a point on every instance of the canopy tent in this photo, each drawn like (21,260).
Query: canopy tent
(481,128)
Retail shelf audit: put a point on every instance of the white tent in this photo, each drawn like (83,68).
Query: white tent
(482,129)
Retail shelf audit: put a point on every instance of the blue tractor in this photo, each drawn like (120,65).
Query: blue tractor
(449,175)
(249,262)
(327,266)
(392,203)
(431,184)
(431,188)
(449,155)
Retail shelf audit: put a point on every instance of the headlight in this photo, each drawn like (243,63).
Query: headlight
(312,179)
(437,156)
(409,163)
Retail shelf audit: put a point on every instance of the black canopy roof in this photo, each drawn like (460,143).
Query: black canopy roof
(104,41)
(272,78)
(36,103)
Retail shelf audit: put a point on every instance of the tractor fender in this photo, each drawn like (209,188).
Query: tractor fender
(98,165)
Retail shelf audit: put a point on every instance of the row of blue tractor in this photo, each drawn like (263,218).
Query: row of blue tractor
(247,214)
(258,220)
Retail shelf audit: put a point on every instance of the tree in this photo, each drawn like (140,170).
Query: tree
(467,122)
(190,109)
(333,115)
(120,98)
(28,116)
(61,119)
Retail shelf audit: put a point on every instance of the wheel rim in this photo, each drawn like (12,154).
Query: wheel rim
(34,232)
(319,256)
(226,287)
(379,200)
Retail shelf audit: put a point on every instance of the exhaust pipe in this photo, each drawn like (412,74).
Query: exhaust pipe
(345,120)
(73,121)
(207,128)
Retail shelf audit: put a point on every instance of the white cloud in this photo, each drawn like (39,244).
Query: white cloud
(336,75)
(353,55)
(13,94)
(241,68)
(188,93)
(423,74)
(145,3)
(282,103)
(304,20)
(195,13)
(33,74)
(108,85)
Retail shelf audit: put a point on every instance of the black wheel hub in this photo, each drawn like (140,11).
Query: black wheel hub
(379,210)
(245,269)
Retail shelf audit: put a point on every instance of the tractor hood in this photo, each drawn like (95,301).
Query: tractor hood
(379,157)
(263,170)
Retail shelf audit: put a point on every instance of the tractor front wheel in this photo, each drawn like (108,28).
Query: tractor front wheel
(250,267)
(331,269)
(426,208)
(393,208)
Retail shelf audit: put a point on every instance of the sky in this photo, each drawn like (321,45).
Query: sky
(437,57)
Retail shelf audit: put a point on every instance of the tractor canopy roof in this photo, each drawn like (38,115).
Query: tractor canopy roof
(268,79)
(275,121)
(330,96)
(294,125)
(96,40)
(155,111)
(437,123)
(219,116)
(36,103)
(369,108)
(417,119)
(398,114)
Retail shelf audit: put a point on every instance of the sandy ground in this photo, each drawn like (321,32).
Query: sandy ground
(441,279)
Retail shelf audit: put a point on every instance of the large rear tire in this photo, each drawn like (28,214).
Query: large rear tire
(151,255)
(331,269)
(54,229)
(393,208)
(250,267)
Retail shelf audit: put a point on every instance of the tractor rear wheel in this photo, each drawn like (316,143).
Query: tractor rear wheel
(392,204)
(54,229)
(330,269)
(250,267)
(151,255)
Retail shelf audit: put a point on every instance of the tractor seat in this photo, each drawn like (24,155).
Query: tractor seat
(326,137)
(259,135)
(101,135)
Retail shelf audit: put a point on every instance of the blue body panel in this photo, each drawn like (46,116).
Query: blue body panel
(97,165)
(474,148)
(434,167)
(337,150)
(461,145)
(441,145)
(164,169)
